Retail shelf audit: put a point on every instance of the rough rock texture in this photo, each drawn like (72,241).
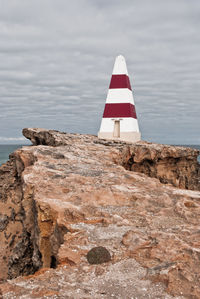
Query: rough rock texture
(175,165)
(77,194)
(14,237)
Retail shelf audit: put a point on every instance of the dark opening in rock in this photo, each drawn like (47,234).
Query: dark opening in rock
(3,222)
(39,141)
(22,262)
(53,262)
(98,255)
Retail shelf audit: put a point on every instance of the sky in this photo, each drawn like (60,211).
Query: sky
(57,56)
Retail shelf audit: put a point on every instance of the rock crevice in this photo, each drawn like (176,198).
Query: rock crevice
(72,193)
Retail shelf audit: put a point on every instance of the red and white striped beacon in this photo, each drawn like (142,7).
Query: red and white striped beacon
(119,118)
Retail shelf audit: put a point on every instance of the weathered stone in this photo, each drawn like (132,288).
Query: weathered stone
(77,192)
(3,222)
(98,255)
(21,260)
(175,165)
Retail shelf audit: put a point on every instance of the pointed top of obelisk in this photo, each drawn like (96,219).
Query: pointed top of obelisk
(120,66)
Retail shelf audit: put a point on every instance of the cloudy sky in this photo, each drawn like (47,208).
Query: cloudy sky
(56,59)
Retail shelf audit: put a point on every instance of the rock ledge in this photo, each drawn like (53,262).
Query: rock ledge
(70,193)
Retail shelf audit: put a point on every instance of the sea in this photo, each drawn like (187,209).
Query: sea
(7,149)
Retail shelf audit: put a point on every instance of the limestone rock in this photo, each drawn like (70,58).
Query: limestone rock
(175,165)
(70,193)
(3,222)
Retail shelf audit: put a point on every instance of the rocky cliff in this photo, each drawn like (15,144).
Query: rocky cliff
(69,193)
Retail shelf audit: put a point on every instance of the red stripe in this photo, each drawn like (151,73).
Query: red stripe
(119,110)
(120,81)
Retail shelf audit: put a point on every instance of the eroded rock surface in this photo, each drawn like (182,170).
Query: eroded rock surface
(74,193)
(175,165)
(15,241)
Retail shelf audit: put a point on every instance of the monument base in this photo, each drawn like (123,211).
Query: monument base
(124,136)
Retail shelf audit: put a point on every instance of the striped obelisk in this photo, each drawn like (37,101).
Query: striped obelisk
(119,118)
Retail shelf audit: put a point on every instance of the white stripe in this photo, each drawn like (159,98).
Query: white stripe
(127,124)
(120,95)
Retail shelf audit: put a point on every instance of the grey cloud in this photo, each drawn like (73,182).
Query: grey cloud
(56,59)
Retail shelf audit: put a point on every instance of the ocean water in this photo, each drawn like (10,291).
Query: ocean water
(5,150)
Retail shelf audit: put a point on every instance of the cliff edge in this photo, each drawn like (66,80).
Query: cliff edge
(69,193)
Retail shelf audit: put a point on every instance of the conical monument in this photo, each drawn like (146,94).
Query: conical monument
(119,118)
